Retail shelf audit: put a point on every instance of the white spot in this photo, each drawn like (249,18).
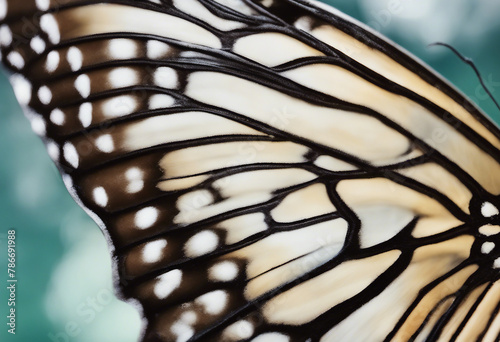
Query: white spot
(135,178)
(489,230)
(157,49)
(145,218)
(239,330)
(183,331)
(153,251)
(119,106)
(496,264)
(38,44)
(167,283)
(489,210)
(303,23)
(52,61)
(53,150)
(202,243)
(161,101)
(71,155)
(22,89)
(223,271)
(75,58)
(5,35)
(3,9)
(271,337)
(100,196)
(82,84)
(122,48)
(123,77)
(45,95)
(183,327)
(213,302)
(43,5)
(57,117)
(267,3)
(105,143)
(85,114)
(38,124)
(487,247)
(166,77)
(16,59)
(49,24)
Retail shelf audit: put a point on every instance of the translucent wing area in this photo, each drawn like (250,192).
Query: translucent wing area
(266,171)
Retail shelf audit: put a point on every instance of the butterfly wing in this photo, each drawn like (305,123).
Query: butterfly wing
(266,170)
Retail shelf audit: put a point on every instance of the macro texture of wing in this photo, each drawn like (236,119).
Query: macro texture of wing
(266,171)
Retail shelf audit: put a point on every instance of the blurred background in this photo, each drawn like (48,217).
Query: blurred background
(63,268)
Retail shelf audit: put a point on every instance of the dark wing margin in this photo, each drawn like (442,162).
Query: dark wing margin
(266,170)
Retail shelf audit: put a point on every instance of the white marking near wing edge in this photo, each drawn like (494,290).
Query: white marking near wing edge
(100,196)
(57,117)
(105,143)
(45,95)
(123,77)
(146,217)
(271,337)
(75,58)
(38,44)
(5,35)
(223,271)
(49,24)
(3,9)
(52,61)
(82,84)
(201,244)
(22,89)
(167,283)
(157,49)
(489,209)
(239,330)
(213,302)
(71,155)
(153,251)
(85,114)
(121,48)
(197,10)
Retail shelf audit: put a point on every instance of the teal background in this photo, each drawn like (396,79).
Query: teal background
(63,269)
